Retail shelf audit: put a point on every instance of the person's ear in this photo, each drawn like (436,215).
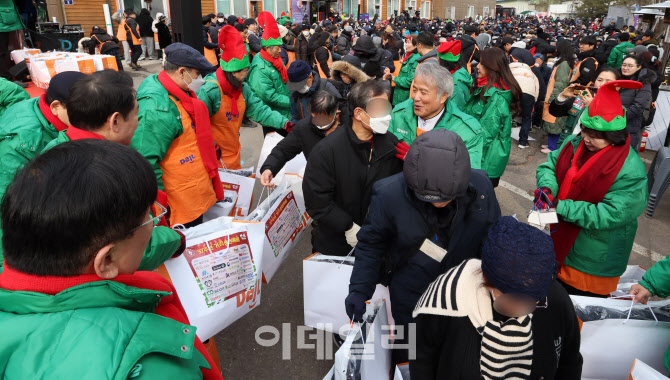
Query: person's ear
(444,97)
(104,263)
(54,106)
(113,122)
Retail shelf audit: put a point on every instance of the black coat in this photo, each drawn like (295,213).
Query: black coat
(636,101)
(303,138)
(301,48)
(468,52)
(338,184)
(449,347)
(144,20)
(103,41)
(588,67)
(254,42)
(343,43)
(397,225)
(366,51)
(164,35)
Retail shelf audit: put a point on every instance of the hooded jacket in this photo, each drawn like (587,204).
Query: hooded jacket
(343,43)
(615,59)
(366,51)
(343,67)
(338,184)
(144,20)
(588,67)
(636,101)
(468,52)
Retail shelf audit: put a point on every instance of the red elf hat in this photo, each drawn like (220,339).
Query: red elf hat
(605,113)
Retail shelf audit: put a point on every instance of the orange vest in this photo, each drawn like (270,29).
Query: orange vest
(99,44)
(291,58)
(575,71)
(121,31)
(226,129)
(210,54)
(546,116)
(398,66)
(468,66)
(136,41)
(189,189)
(330,63)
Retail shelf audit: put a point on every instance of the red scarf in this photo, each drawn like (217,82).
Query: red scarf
(80,134)
(51,118)
(588,183)
(481,82)
(277,63)
(229,90)
(169,306)
(407,56)
(203,131)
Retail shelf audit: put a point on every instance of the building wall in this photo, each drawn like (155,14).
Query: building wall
(89,13)
(440,7)
(208,6)
(519,5)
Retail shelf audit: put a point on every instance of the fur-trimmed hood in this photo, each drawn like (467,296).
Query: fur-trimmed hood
(644,76)
(354,73)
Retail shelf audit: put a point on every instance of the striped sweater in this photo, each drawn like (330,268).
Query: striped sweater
(507,347)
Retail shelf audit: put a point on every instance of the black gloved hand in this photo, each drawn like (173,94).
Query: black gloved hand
(355,306)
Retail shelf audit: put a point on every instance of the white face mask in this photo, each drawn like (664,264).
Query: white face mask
(220,20)
(305,33)
(304,89)
(379,125)
(195,83)
(327,126)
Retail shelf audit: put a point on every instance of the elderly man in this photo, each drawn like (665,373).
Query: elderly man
(185,162)
(437,205)
(428,108)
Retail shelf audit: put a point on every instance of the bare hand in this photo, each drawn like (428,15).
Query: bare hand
(641,293)
(266,178)
(387,71)
(568,92)
(387,75)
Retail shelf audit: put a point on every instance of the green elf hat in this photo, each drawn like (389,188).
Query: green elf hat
(605,113)
(450,51)
(270,35)
(234,56)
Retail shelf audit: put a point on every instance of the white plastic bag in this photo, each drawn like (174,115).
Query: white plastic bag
(285,219)
(295,166)
(240,182)
(326,286)
(642,371)
(218,277)
(222,208)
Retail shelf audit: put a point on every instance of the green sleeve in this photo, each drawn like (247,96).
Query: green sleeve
(405,81)
(657,278)
(265,89)
(475,145)
(624,202)
(562,80)
(163,244)
(156,131)
(260,112)
(160,366)
(612,58)
(210,94)
(10,93)
(545,174)
(498,138)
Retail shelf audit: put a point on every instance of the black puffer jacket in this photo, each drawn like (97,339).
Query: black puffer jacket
(343,43)
(398,224)
(302,138)
(468,52)
(338,184)
(366,51)
(144,21)
(542,47)
(636,101)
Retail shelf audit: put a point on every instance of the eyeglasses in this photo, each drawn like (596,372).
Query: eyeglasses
(156,219)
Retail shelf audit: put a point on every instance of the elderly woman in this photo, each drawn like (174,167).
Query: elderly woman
(268,75)
(598,186)
(503,316)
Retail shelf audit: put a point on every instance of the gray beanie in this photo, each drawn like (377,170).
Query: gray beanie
(437,166)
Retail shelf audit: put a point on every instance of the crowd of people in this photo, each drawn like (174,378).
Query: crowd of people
(406,125)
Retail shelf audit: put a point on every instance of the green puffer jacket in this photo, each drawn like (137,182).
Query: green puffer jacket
(9,17)
(10,93)
(462,84)
(164,241)
(494,116)
(403,81)
(24,132)
(97,330)
(265,81)
(404,124)
(159,124)
(608,228)
(562,80)
(256,110)
(657,281)
(615,59)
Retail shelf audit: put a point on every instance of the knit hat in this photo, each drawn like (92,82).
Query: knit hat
(518,258)
(270,35)
(450,51)
(283,31)
(298,73)
(605,113)
(234,55)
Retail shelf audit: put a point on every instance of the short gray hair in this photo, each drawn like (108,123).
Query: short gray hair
(434,73)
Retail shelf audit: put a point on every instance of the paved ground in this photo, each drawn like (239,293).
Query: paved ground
(282,302)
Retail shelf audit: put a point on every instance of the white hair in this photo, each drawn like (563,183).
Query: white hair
(433,73)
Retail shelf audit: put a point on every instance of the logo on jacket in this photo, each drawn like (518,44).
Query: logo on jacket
(190,158)
(557,346)
(230,117)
